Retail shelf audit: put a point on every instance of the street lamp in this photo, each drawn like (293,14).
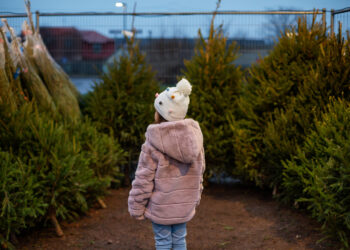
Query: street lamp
(119,5)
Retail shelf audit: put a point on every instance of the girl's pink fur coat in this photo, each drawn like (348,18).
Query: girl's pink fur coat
(168,180)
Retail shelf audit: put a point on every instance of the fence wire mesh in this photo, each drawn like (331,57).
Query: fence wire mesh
(343,17)
(85,43)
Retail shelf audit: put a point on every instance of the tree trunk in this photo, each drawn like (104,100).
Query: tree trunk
(52,216)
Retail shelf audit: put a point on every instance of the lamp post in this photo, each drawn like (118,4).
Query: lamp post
(119,5)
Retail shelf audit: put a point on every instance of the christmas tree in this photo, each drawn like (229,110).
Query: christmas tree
(284,93)
(318,176)
(216,82)
(122,102)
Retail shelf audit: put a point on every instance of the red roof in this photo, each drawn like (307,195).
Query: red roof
(91,36)
(59,30)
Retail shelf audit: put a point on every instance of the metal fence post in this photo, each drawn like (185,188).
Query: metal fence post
(324,18)
(37,13)
(332,21)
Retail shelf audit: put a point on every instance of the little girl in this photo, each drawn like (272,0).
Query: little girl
(168,180)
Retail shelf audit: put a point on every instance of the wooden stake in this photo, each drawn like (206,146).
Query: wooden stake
(274,192)
(101,202)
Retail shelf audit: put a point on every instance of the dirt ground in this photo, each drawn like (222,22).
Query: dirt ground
(229,217)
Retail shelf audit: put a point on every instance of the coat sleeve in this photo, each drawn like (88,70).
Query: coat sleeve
(143,184)
(201,179)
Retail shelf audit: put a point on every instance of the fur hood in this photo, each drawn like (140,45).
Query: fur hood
(181,140)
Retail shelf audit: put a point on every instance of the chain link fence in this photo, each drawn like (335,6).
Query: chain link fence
(85,43)
(340,17)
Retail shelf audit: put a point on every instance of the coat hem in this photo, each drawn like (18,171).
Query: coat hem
(163,221)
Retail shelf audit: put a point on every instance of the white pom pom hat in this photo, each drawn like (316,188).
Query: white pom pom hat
(172,103)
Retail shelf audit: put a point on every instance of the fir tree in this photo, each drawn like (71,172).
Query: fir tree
(20,206)
(51,169)
(318,176)
(285,92)
(122,102)
(216,82)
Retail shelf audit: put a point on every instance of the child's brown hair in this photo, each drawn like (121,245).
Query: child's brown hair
(158,119)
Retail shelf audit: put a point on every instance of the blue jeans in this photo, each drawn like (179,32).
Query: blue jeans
(170,236)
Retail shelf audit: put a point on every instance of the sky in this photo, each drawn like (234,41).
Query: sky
(168,5)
